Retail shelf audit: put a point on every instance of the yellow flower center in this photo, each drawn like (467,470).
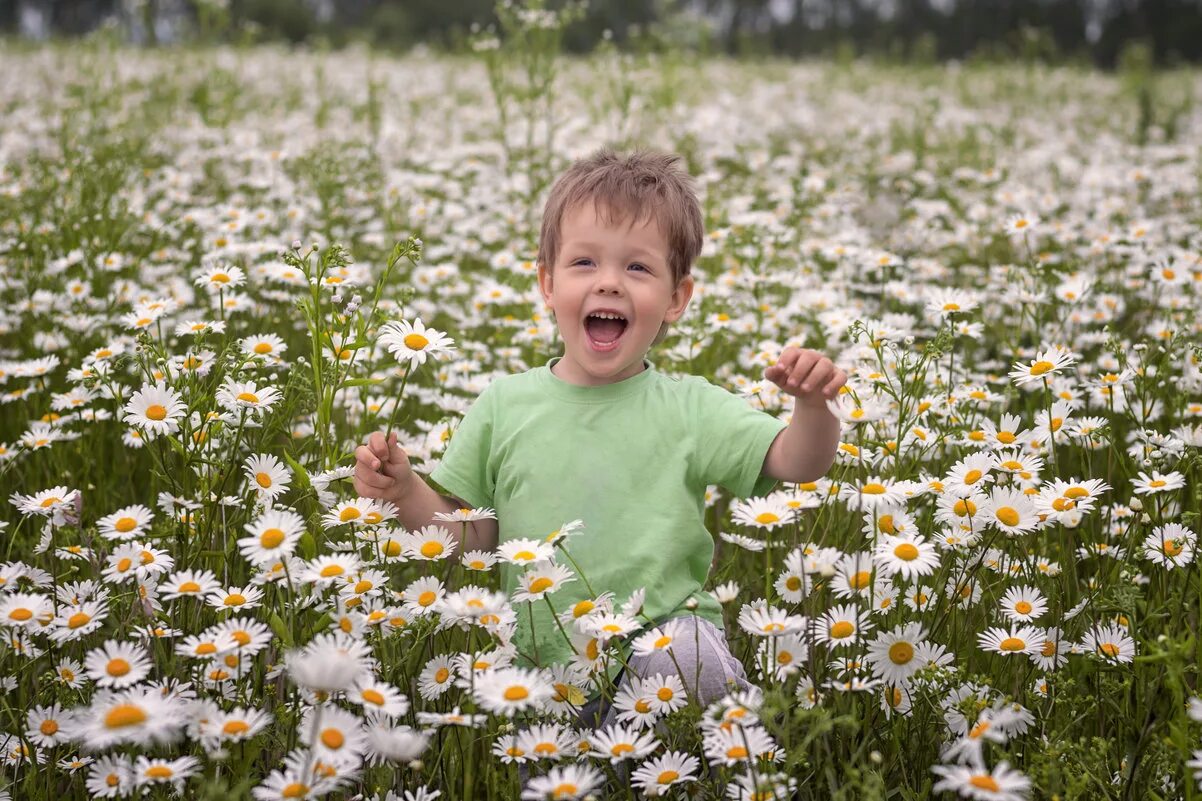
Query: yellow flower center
(117,667)
(906,551)
(1013,644)
(426,598)
(235,727)
(332,738)
(124,715)
(235,599)
(125,524)
(766,518)
(156,412)
(1007,514)
(842,629)
(373,697)
(249,397)
(985,782)
(1023,608)
(540,584)
(901,652)
(271,538)
(516,693)
(416,341)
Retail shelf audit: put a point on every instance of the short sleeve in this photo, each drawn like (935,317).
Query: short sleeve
(465,470)
(731,441)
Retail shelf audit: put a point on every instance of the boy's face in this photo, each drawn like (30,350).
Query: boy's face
(620,268)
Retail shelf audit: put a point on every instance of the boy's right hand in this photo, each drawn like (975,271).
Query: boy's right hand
(382,468)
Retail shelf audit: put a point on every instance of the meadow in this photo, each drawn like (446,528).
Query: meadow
(221,269)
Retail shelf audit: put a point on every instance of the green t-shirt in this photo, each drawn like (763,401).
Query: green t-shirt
(632,460)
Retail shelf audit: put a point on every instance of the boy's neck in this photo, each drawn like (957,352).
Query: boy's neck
(562,370)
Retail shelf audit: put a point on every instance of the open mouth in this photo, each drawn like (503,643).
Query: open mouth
(604,330)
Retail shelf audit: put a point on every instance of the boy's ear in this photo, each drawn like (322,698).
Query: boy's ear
(544,281)
(680,299)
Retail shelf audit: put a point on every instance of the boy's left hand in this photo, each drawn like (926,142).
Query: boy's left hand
(806,375)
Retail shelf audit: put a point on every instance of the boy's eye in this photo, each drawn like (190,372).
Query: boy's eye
(641,267)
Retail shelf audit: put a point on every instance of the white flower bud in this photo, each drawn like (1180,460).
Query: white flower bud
(1137,505)
(1145,518)
(1071,519)
(690,604)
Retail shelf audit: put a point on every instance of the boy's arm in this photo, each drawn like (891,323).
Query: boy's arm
(418,503)
(805,450)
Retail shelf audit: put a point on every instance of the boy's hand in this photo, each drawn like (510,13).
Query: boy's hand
(382,468)
(806,375)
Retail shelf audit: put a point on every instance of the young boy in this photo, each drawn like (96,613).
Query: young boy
(600,435)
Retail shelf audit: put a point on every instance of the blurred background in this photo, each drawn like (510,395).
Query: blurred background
(1097,32)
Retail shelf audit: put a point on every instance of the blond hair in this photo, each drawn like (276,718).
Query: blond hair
(642,185)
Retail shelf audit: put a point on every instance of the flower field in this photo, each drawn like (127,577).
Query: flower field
(221,270)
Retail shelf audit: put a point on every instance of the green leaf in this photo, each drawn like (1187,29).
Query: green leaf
(362,382)
(301,474)
(307,545)
(280,628)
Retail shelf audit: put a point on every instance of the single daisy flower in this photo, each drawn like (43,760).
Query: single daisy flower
(909,555)
(267,476)
(566,783)
(524,551)
(618,743)
(273,535)
(978,782)
(247,597)
(1023,604)
(762,513)
(236,396)
(412,343)
(1157,482)
(155,409)
(127,523)
(507,691)
(1018,640)
(1045,364)
(768,621)
(1109,643)
(896,655)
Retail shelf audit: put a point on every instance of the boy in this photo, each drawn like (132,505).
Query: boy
(600,435)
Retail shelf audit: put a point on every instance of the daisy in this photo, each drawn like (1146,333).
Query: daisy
(429,544)
(155,409)
(126,523)
(618,743)
(566,783)
(117,664)
(56,503)
(236,396)
(762,513)
(464,515)
(605,626)
(506,749)
(22,610)
(853,575)
(353,512)
(874,493)
(656,776)
(76,621)
(1050,422)
(263,345)
(331,661)
(436,677)
(1157,482)
(666,693)
(333,732)
(111,776)
(737,745)
(148,771)
(507,691)
(761,786)
(768,621)
(1045,364)
(267,476)
(633,705)
(1020,640)
(896,655)
(781,657)
(840,626)
(421,595)
(247,597)
(478,560)
(326,570)
(909,555)
(412,342)
(221,278)
(546,741)
(542,579)
(524,551)
(1006,433)
(237,725)
(1170,546)
(1023,604)
(1109,643)
(273,536)
(189,583)
(969,475)
(1009,511)
(657,640)
(977,782)
(139,715)
(48,726)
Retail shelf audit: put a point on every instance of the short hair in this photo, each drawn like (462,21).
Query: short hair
(642,185)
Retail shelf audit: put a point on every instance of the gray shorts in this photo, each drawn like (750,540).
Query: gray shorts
(708,670)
